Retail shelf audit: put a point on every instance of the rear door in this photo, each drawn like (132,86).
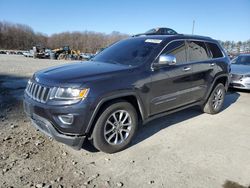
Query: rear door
(171,86)
(203,67)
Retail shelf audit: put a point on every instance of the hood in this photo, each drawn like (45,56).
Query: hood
(240,69)
(78,72)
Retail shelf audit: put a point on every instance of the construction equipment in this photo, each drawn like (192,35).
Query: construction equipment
(65,53)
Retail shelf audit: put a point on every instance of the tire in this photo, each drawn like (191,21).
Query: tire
(62,57)
(215,101)
(111,135)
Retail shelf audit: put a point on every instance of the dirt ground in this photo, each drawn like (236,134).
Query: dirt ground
(185,149)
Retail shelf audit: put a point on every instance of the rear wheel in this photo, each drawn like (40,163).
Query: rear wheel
(216,100)
(115,127)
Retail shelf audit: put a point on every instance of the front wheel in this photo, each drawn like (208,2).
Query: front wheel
(216,100)
(115,127)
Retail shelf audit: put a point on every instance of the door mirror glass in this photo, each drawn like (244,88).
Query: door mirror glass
(167,60)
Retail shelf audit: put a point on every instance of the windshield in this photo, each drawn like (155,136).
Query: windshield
(131,52)
(242,60)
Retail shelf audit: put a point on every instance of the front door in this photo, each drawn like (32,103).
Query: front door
(171,86)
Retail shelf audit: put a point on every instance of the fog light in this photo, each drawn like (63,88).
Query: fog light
(66,119)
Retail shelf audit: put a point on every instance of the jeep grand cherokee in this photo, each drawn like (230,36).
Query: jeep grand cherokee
(134,80)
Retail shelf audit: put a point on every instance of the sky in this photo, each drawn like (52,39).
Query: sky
(220,19)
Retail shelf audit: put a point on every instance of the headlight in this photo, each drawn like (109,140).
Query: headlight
(69,93)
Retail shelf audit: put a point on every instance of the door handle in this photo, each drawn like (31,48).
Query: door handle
(186,69)
(212,64)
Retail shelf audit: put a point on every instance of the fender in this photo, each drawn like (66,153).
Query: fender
(213,84)
(116,96)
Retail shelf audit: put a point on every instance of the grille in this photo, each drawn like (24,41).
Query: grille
(236,77)
(37,92)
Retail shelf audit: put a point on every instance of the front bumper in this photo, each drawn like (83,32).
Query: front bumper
(48,129)
(241,83)
(44,118)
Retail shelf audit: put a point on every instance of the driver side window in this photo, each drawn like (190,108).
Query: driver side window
(178,49)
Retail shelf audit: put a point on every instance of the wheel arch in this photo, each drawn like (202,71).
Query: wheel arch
(223,78)
(132,98)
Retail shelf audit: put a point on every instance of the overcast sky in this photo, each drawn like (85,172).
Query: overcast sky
(220,19)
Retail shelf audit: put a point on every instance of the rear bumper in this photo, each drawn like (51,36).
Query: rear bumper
(46,127)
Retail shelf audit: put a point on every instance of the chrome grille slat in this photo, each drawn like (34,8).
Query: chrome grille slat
(38,92)
(42,94)
(31,87)
(34,93)
(33,90)
(28,86)
(49,91)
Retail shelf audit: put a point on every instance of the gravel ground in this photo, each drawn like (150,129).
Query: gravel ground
(185,149)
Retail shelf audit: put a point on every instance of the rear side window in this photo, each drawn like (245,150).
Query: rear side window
(197,51)
(214,50)
(178,49)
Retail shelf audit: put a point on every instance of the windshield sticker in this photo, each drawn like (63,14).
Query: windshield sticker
(156,41)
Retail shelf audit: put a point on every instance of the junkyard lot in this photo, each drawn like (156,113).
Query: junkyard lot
(185,149)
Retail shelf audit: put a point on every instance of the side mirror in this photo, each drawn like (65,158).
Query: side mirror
(167,60)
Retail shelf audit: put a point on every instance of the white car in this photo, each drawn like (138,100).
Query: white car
(240,73)
(28,53)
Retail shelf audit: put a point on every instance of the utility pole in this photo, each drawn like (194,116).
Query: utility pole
(193,27)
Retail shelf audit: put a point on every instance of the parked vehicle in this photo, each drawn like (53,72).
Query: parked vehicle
(86,56)
(158,31)
(240,77)
(28,53)
(41,52)
(19,53)
(132,81)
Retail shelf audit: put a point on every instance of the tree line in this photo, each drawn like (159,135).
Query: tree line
(236,47)
(23,37)
(86,41)
(19,36)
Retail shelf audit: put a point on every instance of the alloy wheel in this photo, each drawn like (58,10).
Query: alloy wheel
(117,127)
(217,99)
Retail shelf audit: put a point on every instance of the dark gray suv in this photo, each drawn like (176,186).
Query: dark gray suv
(134,80)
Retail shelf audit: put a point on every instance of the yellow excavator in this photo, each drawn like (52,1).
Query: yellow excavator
(65,53)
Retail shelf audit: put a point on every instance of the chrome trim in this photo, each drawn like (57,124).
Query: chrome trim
(173,96)
(42,95)
(38,92)
(71,116)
